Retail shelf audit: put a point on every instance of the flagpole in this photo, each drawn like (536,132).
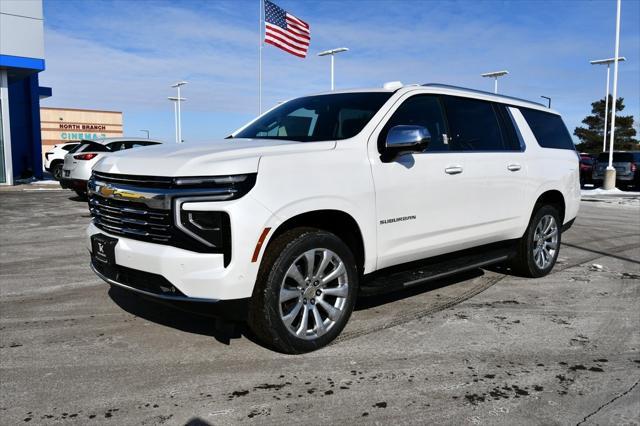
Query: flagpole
(260,2)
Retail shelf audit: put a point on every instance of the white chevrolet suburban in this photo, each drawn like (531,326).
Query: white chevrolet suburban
(327,197)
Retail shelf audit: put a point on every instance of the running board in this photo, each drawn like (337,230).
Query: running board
(414,273)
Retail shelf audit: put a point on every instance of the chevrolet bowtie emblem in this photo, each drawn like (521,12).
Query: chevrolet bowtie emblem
(108,191)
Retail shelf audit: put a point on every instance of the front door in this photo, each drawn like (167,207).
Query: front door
(464,190)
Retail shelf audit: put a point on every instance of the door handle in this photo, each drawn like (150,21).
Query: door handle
(514,167)
(453,170)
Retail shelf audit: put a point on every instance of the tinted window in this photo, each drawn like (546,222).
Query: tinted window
(69,147)
(318,118)
(90,147)
(116,146)
(548,129)
(473,125)
(618,157)
(422,110)
(586,160)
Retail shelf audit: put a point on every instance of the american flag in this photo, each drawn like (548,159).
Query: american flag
(285,31)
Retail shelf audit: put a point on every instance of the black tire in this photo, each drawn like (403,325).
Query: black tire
(56,171)
(81,194)
(523,262)
(266,310)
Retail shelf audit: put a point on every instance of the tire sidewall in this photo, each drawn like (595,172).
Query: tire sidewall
(541,212)
(299,245)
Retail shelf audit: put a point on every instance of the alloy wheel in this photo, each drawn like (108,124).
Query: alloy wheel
(313,293)
(545,242)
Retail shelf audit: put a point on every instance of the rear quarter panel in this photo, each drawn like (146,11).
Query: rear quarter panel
(548,169)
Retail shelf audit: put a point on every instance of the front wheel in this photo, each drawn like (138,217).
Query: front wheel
(305,291)
(539,247)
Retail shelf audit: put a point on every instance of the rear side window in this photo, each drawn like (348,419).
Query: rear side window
(69,147)
(90,147)
(548,129)
(473,125)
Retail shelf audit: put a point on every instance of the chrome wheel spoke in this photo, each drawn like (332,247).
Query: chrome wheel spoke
(320,328)
(287,294)
(291,316)
(304,322)
(339,270)
(294,274)
(326,258)
(341,291)
(310,258)
(331,311)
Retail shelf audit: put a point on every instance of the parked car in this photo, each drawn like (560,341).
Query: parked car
(54,158)
(76,169)
(586,169)
(329,196)
(626,165)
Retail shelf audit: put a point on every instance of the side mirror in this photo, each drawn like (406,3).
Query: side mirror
(405,139)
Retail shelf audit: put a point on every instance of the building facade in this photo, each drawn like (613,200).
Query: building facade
(21,59)
(60,125)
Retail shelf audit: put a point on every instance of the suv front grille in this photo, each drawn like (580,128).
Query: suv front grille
(144,208)
(131,219)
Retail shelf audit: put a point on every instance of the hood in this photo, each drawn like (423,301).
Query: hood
(221,157)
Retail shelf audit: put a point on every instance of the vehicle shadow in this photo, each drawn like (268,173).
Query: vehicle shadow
(188,317)
(195,318)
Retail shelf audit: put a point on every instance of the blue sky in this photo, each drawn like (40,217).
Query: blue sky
(123,55)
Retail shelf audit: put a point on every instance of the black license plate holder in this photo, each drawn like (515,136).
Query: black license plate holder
(103,249)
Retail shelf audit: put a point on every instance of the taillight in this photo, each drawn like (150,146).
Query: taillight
(85,156)
(633,167)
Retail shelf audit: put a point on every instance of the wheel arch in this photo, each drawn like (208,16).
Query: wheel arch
(554,198)
(338,222)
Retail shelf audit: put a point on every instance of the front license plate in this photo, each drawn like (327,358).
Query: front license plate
(103,248)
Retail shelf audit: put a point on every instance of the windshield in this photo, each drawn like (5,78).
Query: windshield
(318,118)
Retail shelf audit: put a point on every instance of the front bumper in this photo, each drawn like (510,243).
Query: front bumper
(196,275)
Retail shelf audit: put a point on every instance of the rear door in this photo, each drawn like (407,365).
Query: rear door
(493,169)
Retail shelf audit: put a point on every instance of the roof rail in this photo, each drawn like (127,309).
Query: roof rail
(466,89)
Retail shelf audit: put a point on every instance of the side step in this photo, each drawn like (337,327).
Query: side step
(414,273)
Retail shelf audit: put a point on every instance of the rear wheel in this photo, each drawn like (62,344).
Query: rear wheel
(305,291)
(56,171)
(539,247)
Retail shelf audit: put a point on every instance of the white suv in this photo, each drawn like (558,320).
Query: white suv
(79,162)
(54,158)
(329,196)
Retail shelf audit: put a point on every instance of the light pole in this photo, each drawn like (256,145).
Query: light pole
(179,115)
(608,63)
(548,99)
(146,131)
(332,52)
(176,112)
(495,75)
(610,174)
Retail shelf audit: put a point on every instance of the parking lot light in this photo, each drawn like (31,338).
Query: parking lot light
(608,63)
(178,100)
(332,53)
(495,75)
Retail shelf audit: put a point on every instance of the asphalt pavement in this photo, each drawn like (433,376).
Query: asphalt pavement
(480,348)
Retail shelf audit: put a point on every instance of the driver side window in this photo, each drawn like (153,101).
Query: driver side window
(419,110)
